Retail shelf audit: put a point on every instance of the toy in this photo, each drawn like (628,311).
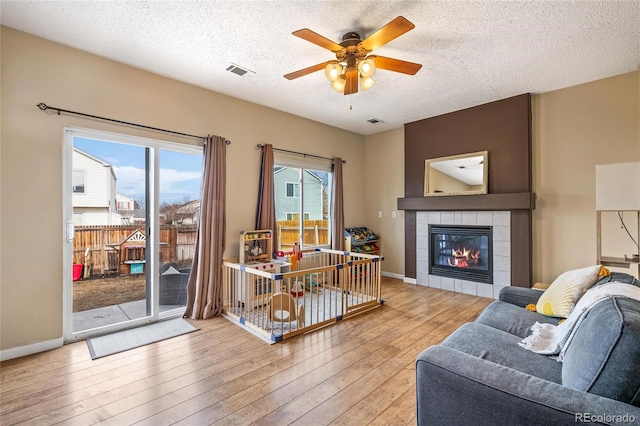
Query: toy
(297,290)
(312,283)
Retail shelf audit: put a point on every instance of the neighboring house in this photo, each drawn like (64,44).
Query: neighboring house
(187,214)
(94,191)
(180,214)
(287,194)
(139,216)
(125,206)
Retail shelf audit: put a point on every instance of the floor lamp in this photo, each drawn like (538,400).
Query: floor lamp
(618,190)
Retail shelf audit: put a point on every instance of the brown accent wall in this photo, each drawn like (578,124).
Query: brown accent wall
(504,129)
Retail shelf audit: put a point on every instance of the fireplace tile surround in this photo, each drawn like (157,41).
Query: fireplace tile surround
(504,129)
(501,223)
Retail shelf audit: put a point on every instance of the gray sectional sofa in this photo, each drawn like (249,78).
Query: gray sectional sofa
(479,375)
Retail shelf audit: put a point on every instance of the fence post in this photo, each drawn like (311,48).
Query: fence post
(315,230)
(103,255)
(173,244)
(279,238)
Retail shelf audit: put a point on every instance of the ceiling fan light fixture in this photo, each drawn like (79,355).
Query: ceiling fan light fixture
(367,67)
(366,83)
(333,70)
(354,61)
(338,84)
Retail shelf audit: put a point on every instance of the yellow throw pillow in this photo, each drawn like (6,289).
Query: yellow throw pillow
(561,296)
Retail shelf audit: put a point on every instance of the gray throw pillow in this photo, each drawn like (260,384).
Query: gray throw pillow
(604,356)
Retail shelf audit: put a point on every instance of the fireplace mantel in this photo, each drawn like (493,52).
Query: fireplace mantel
(494,202)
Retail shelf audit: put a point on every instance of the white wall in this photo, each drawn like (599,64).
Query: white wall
(384,184)
(35,70)
(573,130)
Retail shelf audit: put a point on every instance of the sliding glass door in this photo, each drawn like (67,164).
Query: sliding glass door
(131,210)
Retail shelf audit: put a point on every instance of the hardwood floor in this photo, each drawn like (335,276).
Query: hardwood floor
(357,372)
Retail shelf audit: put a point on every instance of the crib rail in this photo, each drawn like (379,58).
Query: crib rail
(326,287)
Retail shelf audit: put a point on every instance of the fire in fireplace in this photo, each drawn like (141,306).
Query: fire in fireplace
(463,252)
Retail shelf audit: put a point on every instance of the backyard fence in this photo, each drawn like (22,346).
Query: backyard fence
(316,233)
(96,246)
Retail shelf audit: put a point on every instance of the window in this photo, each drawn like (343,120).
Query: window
(296,216)
(293,190)
(124,205)
(78,181)
(302,198)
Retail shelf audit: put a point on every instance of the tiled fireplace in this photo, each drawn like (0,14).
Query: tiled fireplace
(472,251)
(461,251)
(503,129)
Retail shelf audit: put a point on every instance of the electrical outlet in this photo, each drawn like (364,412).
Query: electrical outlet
(394,214)
(380,214)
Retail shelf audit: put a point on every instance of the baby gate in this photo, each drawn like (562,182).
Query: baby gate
(326,287)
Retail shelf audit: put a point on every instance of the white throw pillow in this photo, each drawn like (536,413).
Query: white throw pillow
(561,296)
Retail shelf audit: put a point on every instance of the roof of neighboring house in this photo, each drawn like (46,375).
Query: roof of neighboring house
(121,196)
(96,159)
(278,169)
(189,207)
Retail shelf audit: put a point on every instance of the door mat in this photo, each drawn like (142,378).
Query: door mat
(134,338)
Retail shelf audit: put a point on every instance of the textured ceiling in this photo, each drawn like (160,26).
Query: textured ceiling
(472,52)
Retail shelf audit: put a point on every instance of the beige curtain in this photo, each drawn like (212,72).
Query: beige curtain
(266,211)
(204,291)
(337,207)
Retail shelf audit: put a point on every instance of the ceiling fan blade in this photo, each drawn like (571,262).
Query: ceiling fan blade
(351,86)
(316,38)
(384,35)
(396,65)
(305,71)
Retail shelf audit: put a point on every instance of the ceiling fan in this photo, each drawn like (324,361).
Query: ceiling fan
(354,62)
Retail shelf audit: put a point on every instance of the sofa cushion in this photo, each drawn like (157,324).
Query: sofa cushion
(519,296)
(563,293)
(502,348)
(603,357)
(512,319)
(618,277)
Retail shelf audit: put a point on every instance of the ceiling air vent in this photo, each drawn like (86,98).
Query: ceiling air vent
(237,69)
(375,121)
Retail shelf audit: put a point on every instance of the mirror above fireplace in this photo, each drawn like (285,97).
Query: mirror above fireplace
(464,174)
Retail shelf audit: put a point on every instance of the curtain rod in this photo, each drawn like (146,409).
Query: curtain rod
(299,153)
(45,107)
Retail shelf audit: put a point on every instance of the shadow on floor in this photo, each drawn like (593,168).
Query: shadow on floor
(114,314)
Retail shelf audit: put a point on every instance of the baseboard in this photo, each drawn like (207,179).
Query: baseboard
(31,349)
(410,280)
(392,275)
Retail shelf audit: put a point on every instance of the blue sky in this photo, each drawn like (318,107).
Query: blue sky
(180,173)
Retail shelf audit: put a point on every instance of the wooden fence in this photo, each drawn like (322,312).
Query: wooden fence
(316,233)
(96,246)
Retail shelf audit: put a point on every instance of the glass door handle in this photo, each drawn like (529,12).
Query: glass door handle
(71,230)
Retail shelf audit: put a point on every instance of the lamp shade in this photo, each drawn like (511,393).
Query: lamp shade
(367,67)
(366,83)
(618,186)
(338,84)
(333,70)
